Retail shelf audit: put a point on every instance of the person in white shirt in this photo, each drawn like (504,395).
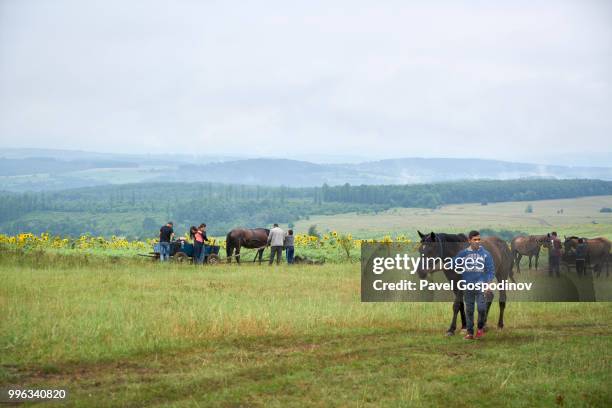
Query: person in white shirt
(276,240)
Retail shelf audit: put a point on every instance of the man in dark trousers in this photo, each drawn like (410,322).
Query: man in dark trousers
(554,255)
(276,239)
(581,253)
(481,270)
(289,246)
(166,233)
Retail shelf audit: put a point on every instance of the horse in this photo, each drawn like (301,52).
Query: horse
(598,251)
(248,238)
(449,245)
(526,246)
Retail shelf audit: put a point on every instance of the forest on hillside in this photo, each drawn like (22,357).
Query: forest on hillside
(137,210)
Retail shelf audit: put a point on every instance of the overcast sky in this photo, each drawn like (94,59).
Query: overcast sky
(526,81)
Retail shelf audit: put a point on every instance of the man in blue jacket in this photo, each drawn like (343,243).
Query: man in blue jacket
(476,267)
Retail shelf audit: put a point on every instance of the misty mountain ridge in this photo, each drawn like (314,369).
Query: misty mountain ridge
(40,169)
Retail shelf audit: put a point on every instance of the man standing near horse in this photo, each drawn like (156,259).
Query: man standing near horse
(481,269)
(581,254)
(554,255)
(166,233)
(276,240)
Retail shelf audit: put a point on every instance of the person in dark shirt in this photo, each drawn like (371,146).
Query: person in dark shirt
(581,254)
(289,248)
(554,255)
(166,233)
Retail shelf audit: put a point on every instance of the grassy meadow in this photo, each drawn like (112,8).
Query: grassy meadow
(115,329)
(135,333)
(580,216)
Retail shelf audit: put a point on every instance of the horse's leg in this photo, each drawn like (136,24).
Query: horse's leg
(502,307)
(256,256)
(530,256)
(260,253)
(537,256)
(229,251)
(238,253)
(488,300)
(518,262)
(456,309)
(462,314)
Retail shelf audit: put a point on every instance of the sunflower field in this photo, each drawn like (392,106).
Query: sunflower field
(331,246)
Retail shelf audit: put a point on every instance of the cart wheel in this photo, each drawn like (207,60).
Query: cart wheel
(180,257)
(213,259)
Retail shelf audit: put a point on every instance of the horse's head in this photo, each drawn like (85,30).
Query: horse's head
(547,243)
(430,247)
(569,244)
(542,240)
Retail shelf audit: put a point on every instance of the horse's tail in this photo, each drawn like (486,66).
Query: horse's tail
(511,264)
(229,247)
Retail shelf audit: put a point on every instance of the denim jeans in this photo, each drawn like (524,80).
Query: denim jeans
(469,297)
(289,252)
(198,253)
(164,251)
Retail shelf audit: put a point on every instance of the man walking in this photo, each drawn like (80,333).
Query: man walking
(554,255)
(481,269)
(276,239)
(166,233)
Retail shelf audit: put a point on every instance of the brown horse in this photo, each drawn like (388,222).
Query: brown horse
(248,238)
(448,245)
(598,251)
(526,246)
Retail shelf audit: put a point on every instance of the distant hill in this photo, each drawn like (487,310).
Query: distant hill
(40,170)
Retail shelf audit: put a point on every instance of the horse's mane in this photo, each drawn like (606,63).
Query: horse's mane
(574,237)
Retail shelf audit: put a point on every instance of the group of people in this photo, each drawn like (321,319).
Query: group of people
(198,235)
(554,256)
(279,239)
(486,273)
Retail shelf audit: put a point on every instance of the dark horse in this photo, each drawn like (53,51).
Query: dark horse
(237,238)
(448,245)
(598,252)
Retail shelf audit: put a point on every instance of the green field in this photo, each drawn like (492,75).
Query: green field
(120,332)
(580,216)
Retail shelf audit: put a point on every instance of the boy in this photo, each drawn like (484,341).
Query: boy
(479,269)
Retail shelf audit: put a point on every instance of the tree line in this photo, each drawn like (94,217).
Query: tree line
(136,210)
